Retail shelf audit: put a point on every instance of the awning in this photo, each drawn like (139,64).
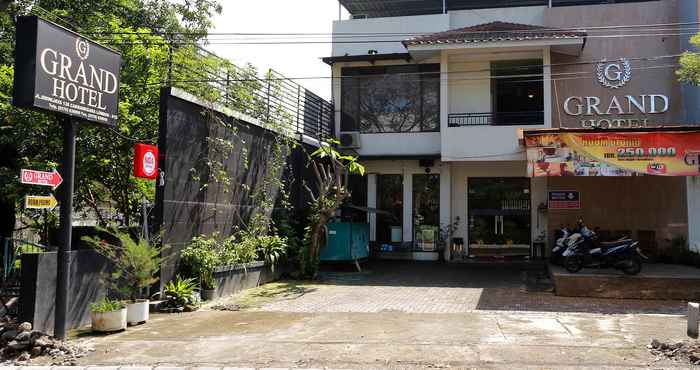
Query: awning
(662,151)
(366,58)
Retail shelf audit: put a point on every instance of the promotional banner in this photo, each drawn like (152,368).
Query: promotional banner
(664,153)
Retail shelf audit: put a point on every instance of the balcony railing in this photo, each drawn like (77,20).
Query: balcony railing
(496,119)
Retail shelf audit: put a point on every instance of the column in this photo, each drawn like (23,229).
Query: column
(444,99)
(407,206)
(547,81)
(693,195)
(446,202)
(372,203)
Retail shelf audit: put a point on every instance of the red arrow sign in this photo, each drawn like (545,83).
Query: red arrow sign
(32,177)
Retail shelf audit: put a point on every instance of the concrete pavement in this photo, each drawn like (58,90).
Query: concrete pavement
(480,339)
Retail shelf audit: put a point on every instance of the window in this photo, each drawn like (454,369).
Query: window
(391,99)
(426,211)
(390,202)
(518,92)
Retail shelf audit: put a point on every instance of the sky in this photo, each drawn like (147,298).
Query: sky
(279,16)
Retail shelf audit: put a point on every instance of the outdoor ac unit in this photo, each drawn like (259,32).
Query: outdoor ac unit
(349,140)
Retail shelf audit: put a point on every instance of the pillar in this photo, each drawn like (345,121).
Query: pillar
(372,203)
(446,202)
(693,196)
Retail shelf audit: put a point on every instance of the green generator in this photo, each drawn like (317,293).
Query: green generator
(346,241)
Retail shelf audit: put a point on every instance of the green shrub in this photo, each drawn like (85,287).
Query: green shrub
(106,305)
(201,257)
(136,262)
(180,293)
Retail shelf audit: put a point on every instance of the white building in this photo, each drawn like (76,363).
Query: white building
(434,96)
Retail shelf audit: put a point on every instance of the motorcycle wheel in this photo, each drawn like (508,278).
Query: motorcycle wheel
(573,263)
(633,266)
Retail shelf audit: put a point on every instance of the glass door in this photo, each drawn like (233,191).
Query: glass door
(499,216)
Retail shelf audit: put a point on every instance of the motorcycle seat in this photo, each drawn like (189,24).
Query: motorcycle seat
(615,243)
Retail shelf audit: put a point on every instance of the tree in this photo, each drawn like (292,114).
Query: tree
(140,30)
(331,169)
(690,64)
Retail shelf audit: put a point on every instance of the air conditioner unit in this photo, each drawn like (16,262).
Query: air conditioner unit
(349,140)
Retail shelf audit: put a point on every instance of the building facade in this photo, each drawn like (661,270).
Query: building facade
(439,100)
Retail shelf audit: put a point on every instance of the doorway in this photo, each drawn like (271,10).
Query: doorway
(498,217)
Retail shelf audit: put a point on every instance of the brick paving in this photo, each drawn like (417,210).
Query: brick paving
(438,288)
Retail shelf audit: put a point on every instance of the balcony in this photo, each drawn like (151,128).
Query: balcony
(496,119)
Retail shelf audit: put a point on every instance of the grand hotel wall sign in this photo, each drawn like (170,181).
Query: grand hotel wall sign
(616,111)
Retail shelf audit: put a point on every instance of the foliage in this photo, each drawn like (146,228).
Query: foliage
(331,169)
(690,64)
(180,293)
(201,257)
(103,168)
(204,254)
(107,305)
(136,262)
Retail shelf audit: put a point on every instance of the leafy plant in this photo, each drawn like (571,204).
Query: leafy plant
(136,262)
(201,257)
(107,305)
(180,293)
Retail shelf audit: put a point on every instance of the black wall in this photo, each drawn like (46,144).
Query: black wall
(38,292)
(191,202)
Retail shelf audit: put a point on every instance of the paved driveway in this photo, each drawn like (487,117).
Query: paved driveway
(386,286)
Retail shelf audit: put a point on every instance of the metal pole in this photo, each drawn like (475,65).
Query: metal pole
(63,258)
(444,6)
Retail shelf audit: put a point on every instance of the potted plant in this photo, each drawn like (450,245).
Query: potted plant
(201,258)
(180,295)
(136,263)
(108,315)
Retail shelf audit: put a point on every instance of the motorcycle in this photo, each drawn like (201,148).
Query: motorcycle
(561,236)
(585,250)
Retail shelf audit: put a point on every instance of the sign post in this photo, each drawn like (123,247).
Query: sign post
(60,71)
(63,258)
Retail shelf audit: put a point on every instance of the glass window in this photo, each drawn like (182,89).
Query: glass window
(426,210)
(390,201)
(518,92)
(391,99)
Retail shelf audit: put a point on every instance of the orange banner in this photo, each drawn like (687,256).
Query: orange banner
(663,153)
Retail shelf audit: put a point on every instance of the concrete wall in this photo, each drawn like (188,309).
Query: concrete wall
(420,24)
(653,203)
(38,292)
(523,14)
(656,76)
(231,280)
(408,143)
(693,188)
(689,12)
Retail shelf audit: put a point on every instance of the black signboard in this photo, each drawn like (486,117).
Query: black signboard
(60,71)
(564,199)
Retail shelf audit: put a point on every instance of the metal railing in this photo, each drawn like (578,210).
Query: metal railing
(272,99)
(496,119)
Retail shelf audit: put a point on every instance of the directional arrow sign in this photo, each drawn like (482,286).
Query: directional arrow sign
(40,202)
(32,177)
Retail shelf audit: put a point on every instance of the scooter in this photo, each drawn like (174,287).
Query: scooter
(560,246)
(587,251)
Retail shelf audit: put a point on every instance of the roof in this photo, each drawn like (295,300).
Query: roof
(494,32)
(395,8)
(366,58)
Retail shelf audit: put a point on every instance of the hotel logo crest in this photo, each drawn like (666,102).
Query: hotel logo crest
(615,74)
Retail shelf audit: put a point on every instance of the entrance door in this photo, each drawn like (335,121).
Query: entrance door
(499,216)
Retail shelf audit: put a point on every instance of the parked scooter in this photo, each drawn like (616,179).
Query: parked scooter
(561,236)
(585,250)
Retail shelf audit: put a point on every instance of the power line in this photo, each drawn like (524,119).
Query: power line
(524,30)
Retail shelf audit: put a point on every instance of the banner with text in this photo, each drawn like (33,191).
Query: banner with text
(665,153)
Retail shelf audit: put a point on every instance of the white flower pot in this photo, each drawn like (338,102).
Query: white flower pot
(109,321)
(137,312)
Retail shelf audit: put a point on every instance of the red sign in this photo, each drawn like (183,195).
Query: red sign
(32,177)
(145,161)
